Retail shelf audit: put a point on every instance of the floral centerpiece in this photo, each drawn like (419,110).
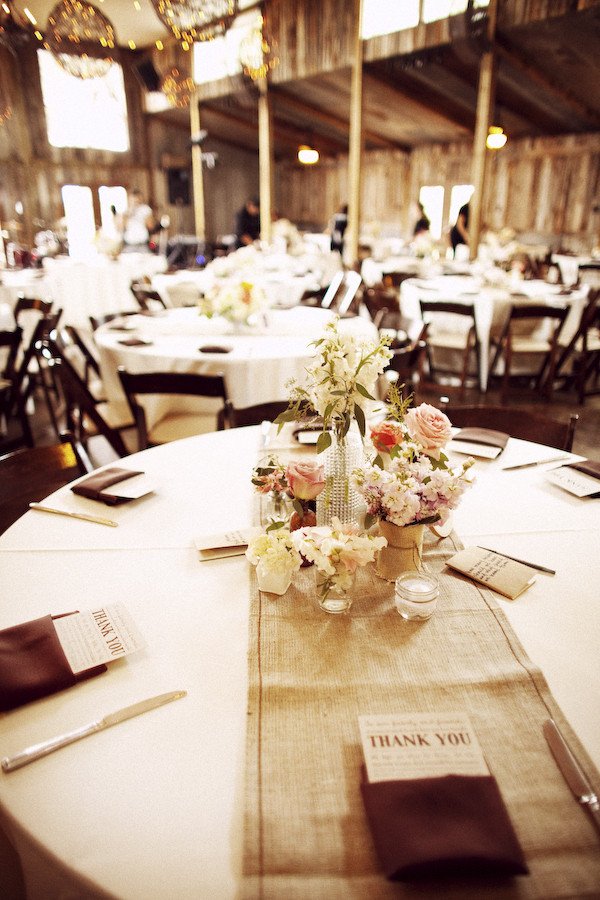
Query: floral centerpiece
(416,486)
(339,387)
(284,488)
(276,559)
(238,301)
(336,551)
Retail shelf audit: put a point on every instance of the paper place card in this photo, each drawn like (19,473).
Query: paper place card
(484,451)
(420,745)
(493,570)
(220,546)
(577,483)
(96,636)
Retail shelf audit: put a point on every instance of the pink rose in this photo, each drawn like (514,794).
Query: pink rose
(385,436)
(306,480)
(429,427)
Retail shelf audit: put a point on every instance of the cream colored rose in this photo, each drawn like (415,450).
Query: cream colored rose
(430,427)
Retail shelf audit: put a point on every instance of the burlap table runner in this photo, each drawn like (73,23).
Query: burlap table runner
(311,675)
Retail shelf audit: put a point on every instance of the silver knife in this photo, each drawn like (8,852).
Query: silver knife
(572,771)
(36,751)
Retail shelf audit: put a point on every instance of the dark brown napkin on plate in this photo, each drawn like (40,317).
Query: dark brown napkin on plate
(588,466)
(486,436)
(135,342)
(95,486)
(33,663)
(454,825)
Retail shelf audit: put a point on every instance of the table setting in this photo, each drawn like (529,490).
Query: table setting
(314,749)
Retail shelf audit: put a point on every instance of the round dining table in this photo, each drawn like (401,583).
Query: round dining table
(492,304)
(257,361)
(152,807)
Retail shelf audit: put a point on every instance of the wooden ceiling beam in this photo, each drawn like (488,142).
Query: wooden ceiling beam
(320,115)
(524,67)
(426,96)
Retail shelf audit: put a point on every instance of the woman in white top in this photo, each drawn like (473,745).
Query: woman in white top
(138,222)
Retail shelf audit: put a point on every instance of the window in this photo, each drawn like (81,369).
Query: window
(88,113)
(432,199)
(383,17)
(441,9)
(79,213)
(221,57)
(460,194)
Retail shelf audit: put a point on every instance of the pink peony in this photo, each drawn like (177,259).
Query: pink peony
(306,480)
(385,436)
(430,427)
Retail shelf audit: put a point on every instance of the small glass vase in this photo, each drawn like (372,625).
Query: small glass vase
(331,598)
(404,551)
(340,498)
(272,581)
(275,507)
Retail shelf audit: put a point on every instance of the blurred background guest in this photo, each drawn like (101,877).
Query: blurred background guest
(337,228)
(247,223)
(138,222)
(459,233)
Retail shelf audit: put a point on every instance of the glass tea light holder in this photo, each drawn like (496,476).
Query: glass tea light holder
(416,595)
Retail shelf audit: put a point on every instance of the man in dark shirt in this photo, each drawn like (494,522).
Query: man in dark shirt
(247,223)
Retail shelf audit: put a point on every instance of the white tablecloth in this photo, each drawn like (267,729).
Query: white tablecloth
(257,366)
(152,807)
(492,305)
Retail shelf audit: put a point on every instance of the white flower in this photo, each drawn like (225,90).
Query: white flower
(274,550)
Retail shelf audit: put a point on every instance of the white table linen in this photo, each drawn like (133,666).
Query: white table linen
(152,808)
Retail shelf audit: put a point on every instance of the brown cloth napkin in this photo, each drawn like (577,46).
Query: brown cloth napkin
(95,486)
(588,466)
(454,825)
(485,436)
(33,663)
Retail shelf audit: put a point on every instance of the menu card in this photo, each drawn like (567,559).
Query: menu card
(220,546)
(96,636)
(579,483)
(420,745)
(495,571)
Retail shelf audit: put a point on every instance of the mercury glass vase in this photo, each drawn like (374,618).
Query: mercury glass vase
(339,498)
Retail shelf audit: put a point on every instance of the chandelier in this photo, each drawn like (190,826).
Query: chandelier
(15,30)
(177,87)
(196,20)
(258,52)
(80,38)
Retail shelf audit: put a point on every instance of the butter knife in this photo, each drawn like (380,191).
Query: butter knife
(572,771)
(37,751)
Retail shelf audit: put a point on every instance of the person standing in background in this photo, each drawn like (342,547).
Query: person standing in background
(422,224)
(338,226)
(459,233)
(138,223)
(247,223)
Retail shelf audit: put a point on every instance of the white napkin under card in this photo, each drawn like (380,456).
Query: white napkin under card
(220,546)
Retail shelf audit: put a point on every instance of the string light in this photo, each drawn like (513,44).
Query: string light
(177,87)
(77,35)
(257,52)
(196,20)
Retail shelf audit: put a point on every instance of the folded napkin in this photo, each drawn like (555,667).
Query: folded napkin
(135,342)
(486,436)
(33,663)
(587,466)
(453,825)
(95,486)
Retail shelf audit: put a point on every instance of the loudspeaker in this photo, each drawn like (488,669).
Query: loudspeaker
(147,75)
(178,182)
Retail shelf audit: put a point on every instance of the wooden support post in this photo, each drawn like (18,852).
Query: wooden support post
(197,182)
(485,105)
(265,159)
(355,144)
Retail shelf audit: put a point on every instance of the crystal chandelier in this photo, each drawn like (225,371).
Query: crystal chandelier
(80,38)
(258,52)
(177,87)
(15,30)
(196,20)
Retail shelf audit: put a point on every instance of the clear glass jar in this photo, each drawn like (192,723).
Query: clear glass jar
(416,595)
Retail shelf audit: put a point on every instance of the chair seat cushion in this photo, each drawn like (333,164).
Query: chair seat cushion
(529,345)
(449,341)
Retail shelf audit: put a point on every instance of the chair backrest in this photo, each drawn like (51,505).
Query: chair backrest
(341,291)
(537,311)
(378,298)
(31,474)
(34,304)
(517,422)
(11,341)
(182,383)
(148,300)
(78,397)
(254,415)
(447,306)
(589,316)
(90,362)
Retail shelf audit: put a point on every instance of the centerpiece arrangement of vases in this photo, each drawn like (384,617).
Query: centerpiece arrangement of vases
(374,492)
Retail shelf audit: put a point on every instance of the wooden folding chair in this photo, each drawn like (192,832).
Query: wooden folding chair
(578,364)
(518,423)
(12,401)
(147,299)
(440,336)
(174,423)
(253,415)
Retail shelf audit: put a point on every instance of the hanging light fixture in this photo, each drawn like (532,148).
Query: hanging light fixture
(496,138)
(308,156)
(196,20)
(80,38)
(15,28)
(177,87)
(258,52)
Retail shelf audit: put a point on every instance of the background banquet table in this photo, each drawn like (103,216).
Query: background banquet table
(258,362)
(492,304)
(152,807)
